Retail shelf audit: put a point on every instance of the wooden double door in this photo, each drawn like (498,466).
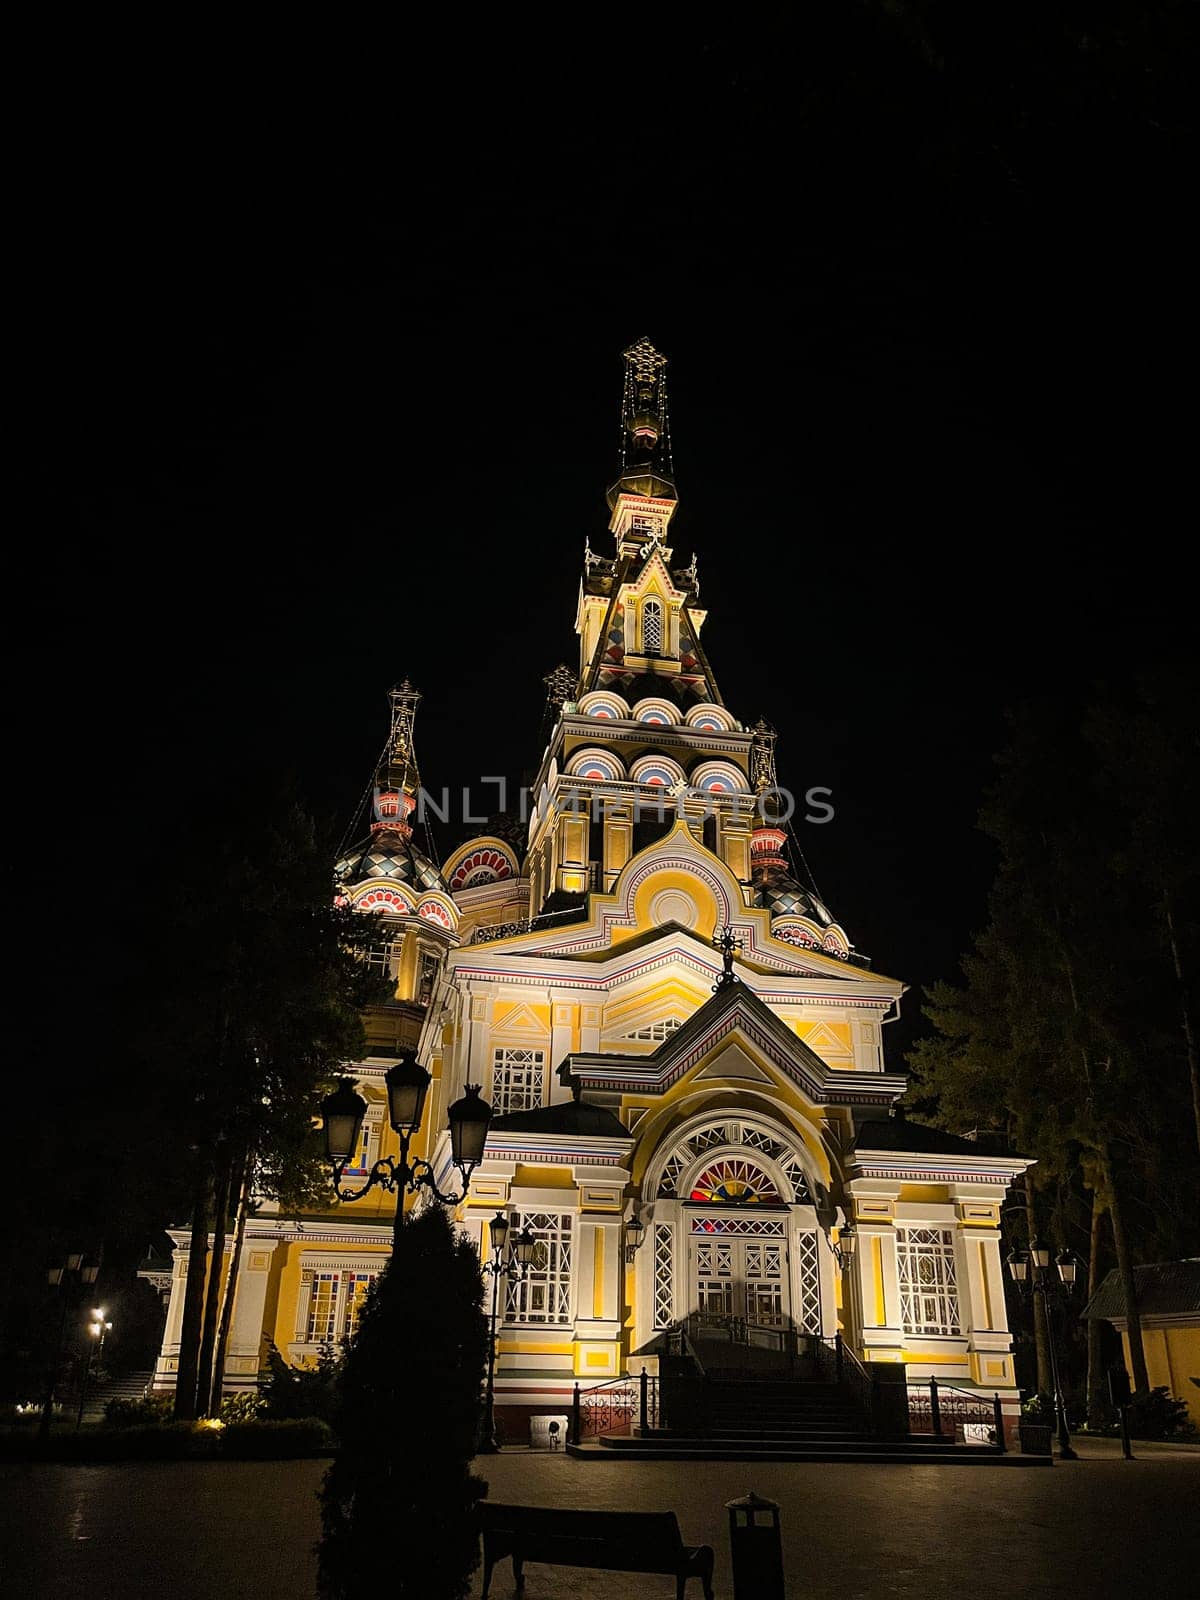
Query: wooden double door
(744,1278)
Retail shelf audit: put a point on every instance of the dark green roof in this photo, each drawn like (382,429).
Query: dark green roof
(570,1116)
(917,1138)
(1164,1289)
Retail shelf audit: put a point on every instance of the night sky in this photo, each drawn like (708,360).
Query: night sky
(322,399)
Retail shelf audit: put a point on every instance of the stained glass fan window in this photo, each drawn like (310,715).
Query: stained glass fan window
(735,1181)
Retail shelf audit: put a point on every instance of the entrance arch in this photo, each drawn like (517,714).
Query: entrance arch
(733,1229)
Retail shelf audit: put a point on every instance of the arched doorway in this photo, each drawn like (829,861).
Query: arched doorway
(733,1229)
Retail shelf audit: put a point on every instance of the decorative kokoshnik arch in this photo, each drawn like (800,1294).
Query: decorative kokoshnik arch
(732,1159)
(747,1180)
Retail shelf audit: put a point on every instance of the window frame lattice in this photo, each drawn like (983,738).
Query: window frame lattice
(517,1085)
(810,1282)
(930,1251)
(734,1134)
(548,1279)
(664,1275)
(652,627)
(333,1302)
(656,1032)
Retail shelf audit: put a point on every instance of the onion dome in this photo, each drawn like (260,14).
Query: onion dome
(388,856)
(775,889)
(388,851)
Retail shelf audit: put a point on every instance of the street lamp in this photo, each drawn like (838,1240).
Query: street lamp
(846,1247)
(1032,1275)
(513,1268)
(407,1083)
(98,1328)
(71,1277)
(635,1232)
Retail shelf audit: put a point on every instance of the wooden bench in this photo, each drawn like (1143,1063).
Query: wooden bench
(619,1541)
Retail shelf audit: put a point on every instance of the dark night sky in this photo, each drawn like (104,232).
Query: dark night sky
(329,400)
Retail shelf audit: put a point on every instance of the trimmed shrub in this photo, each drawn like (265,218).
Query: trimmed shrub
(172,1441)
(277,1441)
(1156,1415)
(304,1391)
(242,1408)
(138,1413)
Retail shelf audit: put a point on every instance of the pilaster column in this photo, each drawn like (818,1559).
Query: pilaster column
(249,1314)
(618,838)
(875,1272)
(562,1036)
(574,827)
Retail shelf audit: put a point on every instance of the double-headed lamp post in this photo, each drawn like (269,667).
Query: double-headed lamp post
(1032,1274)
(407,1085)
(70,1279)
(513,1267)
(98,1330)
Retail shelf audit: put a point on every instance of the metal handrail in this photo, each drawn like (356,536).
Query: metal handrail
(988,1412)
(510,930)
(836,1360)
(630,1393)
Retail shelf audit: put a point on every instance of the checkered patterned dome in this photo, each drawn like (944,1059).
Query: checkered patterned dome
(776,891)
(388,855)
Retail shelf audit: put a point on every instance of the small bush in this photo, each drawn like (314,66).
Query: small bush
(299,1392)
(242,1408)
(138,1413)
(277,1441)
(1157,1415)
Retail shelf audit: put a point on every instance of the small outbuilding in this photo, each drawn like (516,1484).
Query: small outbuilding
(1169,1306)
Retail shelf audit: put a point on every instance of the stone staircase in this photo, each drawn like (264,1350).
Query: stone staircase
(132,1386)
(754,1416)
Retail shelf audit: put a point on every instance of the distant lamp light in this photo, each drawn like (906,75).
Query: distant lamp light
(342,1113)
(1018,1266)
(635,1232)
(525,1248)
(74,1262)
(469,1119)
(54,1276)
(407,1085)
(1041,1254)
(89,1274)
(1067,1268)
(847,1246)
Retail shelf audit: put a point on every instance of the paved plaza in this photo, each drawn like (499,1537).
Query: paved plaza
(1100,1527)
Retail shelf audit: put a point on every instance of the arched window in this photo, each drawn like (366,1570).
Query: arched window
(652,628)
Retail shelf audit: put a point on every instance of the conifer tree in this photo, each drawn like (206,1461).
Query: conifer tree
(398,1503)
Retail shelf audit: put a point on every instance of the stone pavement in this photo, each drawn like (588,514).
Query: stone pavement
(1099,1528)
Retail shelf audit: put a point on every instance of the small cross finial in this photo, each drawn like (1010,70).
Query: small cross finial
(727,944)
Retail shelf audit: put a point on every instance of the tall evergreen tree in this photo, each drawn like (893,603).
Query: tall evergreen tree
(398,1503)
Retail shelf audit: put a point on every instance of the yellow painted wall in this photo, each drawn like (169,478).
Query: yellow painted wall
(1172,1361)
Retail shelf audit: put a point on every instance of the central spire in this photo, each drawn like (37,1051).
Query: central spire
(646,468)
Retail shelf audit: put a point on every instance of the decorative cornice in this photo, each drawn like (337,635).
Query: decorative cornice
(935,1169)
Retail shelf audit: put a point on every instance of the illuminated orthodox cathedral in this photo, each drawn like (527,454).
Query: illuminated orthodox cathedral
(681,1046)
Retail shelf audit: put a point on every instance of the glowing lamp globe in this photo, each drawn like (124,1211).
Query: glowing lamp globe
(525,1247)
